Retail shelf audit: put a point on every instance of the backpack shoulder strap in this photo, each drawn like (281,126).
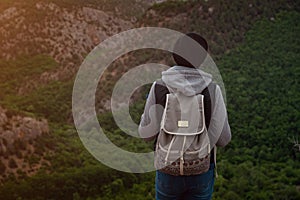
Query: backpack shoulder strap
(207,106)
(161,92)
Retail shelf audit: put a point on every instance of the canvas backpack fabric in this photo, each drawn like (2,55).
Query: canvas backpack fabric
(183,146)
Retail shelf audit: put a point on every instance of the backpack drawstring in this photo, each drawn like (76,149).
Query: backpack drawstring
(181,156)
(169,149)
(215,157)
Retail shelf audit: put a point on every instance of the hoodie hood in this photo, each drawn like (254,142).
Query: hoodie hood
(188,81)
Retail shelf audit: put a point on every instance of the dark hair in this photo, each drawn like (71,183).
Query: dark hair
(189,50)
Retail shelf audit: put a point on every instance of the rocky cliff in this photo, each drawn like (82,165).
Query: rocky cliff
(67,34)
(18,127)
(19,152)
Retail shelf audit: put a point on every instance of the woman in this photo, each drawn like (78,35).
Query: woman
(187,78)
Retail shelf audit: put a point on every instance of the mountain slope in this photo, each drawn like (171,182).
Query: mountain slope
(260,163)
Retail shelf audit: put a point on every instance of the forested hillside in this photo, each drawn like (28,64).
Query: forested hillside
(256,47)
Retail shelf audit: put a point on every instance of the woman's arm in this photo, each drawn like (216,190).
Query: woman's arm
(150,123)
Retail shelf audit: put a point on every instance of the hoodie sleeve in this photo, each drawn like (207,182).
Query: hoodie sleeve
(149,124)
(219,126)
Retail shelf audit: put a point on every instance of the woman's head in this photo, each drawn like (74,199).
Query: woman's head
(193,54)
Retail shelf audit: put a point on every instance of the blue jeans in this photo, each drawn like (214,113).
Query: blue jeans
(197,187)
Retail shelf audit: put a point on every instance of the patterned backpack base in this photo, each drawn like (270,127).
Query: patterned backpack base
(190,166)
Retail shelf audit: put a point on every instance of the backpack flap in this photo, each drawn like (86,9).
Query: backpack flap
(183,115)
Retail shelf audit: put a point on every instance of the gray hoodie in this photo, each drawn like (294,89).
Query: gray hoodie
(188,81)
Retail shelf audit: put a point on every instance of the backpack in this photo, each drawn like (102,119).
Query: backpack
(183,146)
